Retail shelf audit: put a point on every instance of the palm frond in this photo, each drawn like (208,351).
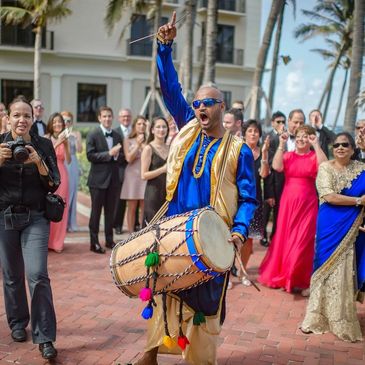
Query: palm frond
(15,16)
(114,13)
(320,17)
(306,31)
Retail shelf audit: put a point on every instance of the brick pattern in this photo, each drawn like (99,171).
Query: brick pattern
(98,325)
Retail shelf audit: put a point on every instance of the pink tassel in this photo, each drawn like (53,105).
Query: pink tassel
(145,294)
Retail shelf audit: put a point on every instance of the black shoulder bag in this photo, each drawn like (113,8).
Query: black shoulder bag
(55,206)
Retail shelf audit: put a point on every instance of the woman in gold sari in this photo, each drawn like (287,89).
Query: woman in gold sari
(339,263)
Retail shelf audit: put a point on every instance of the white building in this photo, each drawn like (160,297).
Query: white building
(83,67)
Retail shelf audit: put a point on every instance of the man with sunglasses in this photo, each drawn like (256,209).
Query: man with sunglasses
(193,169)
(274,182)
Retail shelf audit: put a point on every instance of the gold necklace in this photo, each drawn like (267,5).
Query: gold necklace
(197,175)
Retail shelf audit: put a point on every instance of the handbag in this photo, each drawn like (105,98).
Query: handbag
(54,208)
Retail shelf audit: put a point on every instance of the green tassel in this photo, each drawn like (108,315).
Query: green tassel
(198,318)
(152,259)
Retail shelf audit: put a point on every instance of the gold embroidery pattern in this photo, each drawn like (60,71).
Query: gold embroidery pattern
(198,174)
(331,180)
(331,306)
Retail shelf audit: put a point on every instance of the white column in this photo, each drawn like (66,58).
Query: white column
(126,101)
(55,94)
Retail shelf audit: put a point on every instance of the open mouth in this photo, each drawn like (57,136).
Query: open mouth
(203,117)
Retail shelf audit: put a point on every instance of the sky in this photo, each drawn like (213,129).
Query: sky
(300,83)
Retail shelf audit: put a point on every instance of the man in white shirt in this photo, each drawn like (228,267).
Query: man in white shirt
(295,120)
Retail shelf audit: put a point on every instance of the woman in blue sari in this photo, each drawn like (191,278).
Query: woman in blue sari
(339,263)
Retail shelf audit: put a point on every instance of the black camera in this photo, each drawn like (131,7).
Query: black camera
(19,151)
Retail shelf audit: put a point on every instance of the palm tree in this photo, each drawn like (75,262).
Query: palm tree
(36,13)
(187,60)
(275,57)
(360,101)
(276,8)
(356,66)
(210,42)
(114,13)
(335,20)
(346,64)
(334,53)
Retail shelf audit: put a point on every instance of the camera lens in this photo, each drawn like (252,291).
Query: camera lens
(20,154)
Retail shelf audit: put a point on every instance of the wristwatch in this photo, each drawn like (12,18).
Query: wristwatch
(358,202)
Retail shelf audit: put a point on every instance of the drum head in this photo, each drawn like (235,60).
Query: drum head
(213,239)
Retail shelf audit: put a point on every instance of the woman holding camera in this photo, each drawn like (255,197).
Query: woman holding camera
(59,136)
(28,171)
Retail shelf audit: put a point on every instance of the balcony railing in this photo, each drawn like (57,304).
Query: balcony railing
(144,49)
(238,6)
(12,35)
(232,56)
(171,1)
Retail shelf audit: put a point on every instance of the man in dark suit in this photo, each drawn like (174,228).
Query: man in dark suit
(38,127)
(360,140)
(325,136)
(104,151)
(274,182)
(125,119)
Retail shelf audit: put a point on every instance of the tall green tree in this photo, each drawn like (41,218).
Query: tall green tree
(276,51)
(332,20)
(115,11)
(356,66)
(276,9)
(210,42)
(36,13)
(187,60)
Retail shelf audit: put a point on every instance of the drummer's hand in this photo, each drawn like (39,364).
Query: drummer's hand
(236,241)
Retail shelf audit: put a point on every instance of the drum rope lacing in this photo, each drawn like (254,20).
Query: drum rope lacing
(176,276)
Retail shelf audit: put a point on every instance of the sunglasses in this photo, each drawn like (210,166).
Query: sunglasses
(280,121)
(208,102)
(343,144)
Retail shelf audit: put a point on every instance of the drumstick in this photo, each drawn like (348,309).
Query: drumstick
(238,256)
(154,34)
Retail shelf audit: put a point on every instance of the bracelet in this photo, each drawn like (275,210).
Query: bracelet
(358,201)
(280,148)
(264,161)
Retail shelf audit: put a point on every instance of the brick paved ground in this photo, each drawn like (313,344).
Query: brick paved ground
(98,325)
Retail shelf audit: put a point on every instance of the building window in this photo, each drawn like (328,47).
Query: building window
(225,43)
(227,98)
(140,28)
(17,35)
(89,98)
(12,88)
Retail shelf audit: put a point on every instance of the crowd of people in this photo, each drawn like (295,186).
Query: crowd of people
(283,189)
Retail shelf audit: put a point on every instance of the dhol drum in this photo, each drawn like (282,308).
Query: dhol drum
(192,248)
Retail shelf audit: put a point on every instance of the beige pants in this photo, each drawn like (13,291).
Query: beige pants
(203,339)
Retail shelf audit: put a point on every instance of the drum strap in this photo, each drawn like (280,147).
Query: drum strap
(222,169)
(162,211)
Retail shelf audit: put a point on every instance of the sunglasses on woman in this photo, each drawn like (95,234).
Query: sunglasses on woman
(343,144)
(207,102)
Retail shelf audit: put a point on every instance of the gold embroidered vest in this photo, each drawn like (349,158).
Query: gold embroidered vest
(227,198)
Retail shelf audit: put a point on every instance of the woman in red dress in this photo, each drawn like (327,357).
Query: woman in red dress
(288,262)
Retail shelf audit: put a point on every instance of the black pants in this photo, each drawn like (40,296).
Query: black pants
(107,199)
(25,253)
(266,217)
(119,213)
